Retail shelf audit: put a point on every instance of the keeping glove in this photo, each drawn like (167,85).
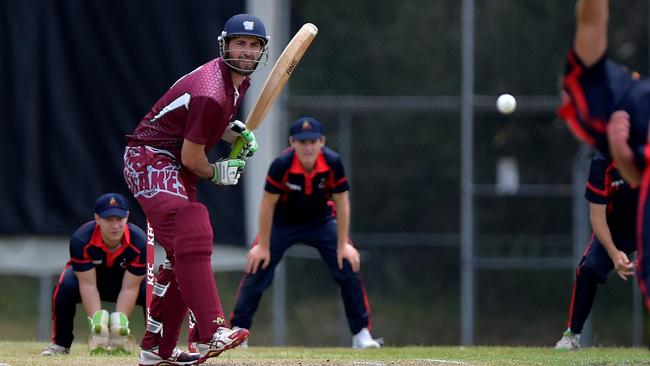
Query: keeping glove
(121,342)
(99,336)
(243,141)
(119,324)
(226,172)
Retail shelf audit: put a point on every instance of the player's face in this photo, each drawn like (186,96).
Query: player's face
(244,52)
(307,150)
(112,228)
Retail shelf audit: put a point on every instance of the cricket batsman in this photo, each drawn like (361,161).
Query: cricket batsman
(163,161)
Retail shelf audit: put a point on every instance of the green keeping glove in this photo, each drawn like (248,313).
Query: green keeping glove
(98,321)
(226,172)
(119,324)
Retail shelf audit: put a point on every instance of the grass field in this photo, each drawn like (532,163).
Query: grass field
(28,353)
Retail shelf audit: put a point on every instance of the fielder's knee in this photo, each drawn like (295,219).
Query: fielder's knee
(193,232)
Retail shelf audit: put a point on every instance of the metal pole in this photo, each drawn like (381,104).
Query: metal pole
(274,14)
(581,226)
(44,306)
(466,176)
(345,150)
(279,307)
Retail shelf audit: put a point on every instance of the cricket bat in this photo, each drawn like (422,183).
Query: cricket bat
(282,70)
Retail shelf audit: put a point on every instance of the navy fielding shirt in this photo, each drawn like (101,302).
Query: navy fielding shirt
(606,187)
(303,195)
(88,251)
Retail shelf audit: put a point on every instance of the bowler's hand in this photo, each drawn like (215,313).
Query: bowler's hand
(622,264)
(351,254)
(257,256)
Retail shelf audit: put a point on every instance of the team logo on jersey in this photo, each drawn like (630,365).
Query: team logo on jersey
(617,183)
(248,25)
(123,263)
(97,262)
(322,183)
(219,321)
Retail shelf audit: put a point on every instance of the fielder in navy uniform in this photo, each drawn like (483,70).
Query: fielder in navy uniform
(295,209)
(612,212)
(606,105)
(107,263)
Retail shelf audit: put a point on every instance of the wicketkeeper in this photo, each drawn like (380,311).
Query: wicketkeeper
(107,263)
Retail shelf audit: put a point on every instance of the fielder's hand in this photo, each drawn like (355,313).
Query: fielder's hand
(351,254)
(226,172)
(257,256)
(622,264)
(242,140)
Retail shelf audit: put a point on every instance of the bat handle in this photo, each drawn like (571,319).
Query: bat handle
(237,148)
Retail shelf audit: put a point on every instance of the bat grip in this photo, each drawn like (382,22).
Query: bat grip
(237,148)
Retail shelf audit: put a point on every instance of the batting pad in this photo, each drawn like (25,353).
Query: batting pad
(192,251)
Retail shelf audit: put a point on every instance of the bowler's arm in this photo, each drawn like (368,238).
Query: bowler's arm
(590,41)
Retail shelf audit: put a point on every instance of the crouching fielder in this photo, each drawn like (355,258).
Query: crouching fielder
(107,263)
(164,159)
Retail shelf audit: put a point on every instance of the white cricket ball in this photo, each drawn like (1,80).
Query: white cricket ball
(506,103)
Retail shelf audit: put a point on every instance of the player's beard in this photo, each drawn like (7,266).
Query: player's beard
(244,63)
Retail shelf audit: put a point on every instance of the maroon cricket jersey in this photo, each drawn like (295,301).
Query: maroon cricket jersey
(197,107)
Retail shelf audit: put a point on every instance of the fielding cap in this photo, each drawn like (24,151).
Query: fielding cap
(307,128)
(112,204)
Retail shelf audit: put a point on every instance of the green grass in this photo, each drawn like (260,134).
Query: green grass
(28,353)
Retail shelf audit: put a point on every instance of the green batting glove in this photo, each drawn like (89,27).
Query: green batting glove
(226,172)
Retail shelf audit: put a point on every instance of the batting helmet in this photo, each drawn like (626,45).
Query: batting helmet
(243,25)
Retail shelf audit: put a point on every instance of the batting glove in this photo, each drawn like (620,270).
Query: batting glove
(226,172)
(242,139)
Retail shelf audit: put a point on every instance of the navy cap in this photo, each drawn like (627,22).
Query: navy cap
(111,204)
(307,128)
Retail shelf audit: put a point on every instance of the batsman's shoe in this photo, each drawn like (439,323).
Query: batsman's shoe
(55,350)
(243,344)
(223,339)
(569,341)
(150,357)
(363,340)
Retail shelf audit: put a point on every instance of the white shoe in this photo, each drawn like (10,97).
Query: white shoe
(363,340)
(222,340)
(55,350)
(150,357)
(569,341)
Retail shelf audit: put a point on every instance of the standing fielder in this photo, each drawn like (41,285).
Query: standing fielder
(612,213)
(606,105)
(164,159)
(295,208)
